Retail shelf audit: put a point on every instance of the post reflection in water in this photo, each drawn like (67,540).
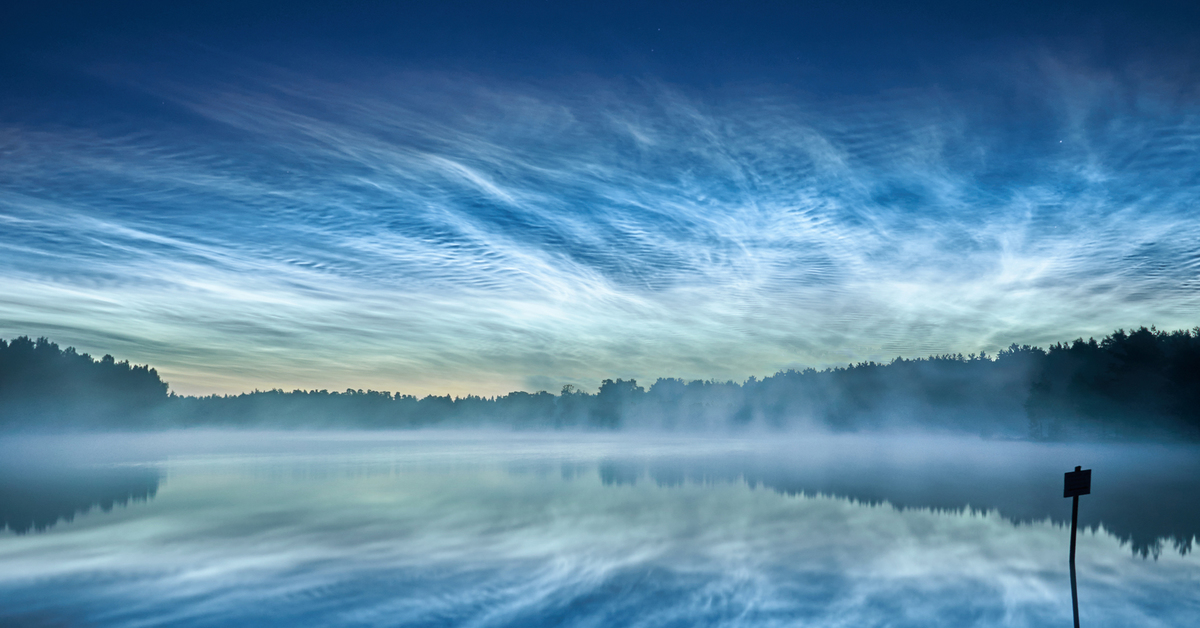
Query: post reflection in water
(435,529)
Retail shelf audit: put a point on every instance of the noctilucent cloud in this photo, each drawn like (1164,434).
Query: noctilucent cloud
(479,198)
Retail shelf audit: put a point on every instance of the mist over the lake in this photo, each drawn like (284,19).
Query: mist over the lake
(503,529)
(524,314)
(1128,386)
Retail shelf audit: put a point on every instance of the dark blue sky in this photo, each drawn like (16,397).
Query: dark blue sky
(489,196)
(843,47)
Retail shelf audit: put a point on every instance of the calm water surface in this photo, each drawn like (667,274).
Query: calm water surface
(502,529)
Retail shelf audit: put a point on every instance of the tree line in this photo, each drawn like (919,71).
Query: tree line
(1139,384)
(43,385)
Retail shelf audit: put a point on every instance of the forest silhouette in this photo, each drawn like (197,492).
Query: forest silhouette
(1143,384)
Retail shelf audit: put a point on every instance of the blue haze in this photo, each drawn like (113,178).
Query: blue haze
(500,529)
(374,217)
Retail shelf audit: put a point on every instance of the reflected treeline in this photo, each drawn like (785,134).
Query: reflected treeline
(1144,499)
(36,498)
(1143,384)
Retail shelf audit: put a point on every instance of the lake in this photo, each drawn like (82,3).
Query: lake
(473,528)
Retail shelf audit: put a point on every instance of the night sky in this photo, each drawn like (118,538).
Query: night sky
(458,197)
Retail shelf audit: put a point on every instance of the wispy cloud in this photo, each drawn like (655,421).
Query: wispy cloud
(430,233)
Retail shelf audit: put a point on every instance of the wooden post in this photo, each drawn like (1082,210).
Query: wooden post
(1074,588)
(1076,483)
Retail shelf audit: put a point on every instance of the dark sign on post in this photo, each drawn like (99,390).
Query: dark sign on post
(1077,482)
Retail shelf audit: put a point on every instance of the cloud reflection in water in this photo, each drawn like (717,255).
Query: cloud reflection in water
(529,533)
